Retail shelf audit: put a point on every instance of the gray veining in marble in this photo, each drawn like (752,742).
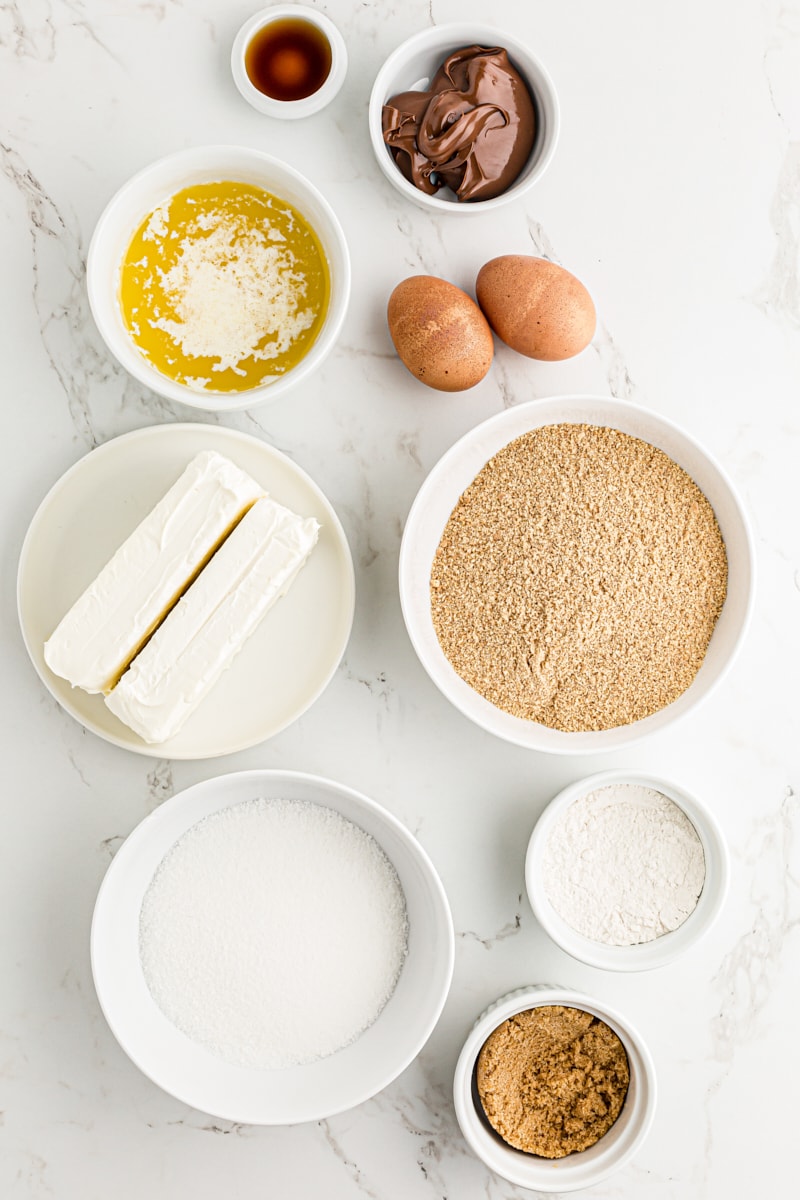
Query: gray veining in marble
(675,195)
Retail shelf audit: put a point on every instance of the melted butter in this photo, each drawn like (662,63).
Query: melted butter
(224,287)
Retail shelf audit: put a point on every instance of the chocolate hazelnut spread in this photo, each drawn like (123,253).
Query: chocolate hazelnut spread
(471,131)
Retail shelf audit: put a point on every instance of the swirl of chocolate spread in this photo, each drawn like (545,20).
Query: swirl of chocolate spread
(471,131)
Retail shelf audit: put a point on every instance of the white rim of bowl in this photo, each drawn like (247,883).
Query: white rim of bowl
(222,402)
(539,996)
(185,799)
(633,732)
(642,956)
(289,110)
(461,33)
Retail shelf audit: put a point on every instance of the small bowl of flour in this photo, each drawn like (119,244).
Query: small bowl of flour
(625,871)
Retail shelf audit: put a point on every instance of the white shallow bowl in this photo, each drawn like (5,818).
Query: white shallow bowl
(289,110)
(586,1168)
(100,500)
(456,470)
(414,63)
(261,1097)
(661,950)
(144,192)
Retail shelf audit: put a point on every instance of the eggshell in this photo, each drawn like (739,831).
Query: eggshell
(439,333)
(536,307)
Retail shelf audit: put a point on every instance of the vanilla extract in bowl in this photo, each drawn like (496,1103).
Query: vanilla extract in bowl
(288,59)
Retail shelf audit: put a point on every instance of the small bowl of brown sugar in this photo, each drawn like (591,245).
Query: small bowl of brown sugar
(553,1091)
(576,573)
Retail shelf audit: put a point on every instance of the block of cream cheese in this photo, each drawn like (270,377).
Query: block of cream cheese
(210,624)
(111,621)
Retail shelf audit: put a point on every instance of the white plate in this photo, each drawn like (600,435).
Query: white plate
(454,472)
(259,1097)
(292,655)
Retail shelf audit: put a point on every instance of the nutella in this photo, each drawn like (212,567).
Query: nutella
(472,130)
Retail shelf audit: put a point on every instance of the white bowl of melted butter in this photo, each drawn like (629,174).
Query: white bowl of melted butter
(219,277)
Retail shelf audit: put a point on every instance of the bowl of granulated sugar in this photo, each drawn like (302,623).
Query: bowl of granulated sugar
(576,573)
(271,947)
(626,871)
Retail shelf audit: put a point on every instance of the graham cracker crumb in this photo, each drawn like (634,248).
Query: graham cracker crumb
(552,1080)
(579,579)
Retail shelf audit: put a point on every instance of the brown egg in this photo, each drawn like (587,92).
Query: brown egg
(536,307)
(439,333)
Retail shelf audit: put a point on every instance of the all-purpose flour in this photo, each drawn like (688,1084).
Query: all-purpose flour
(624,865)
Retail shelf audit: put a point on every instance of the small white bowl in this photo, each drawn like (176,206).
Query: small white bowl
(416,61)
(147,189)
(586,1168)
(289,110)
(661,950)
(259,1097)
(456,470)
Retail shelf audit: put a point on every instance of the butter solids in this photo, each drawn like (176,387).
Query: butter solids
(208,627)
(116,614)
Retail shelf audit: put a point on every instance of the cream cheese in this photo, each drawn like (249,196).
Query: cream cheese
(210,624)
(111,621)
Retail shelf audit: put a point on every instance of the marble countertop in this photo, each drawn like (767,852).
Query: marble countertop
(675,196)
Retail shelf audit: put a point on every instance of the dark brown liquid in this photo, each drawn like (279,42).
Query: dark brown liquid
(288,60)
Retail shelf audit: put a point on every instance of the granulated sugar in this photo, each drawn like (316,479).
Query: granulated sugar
(273,932)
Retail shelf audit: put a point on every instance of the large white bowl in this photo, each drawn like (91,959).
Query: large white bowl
(416,61)
(452,475)
(588,1167)
(661,950)
(141,194)
(260,1097)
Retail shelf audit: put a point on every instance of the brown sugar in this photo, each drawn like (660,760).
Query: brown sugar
(552,1080)
(579,579)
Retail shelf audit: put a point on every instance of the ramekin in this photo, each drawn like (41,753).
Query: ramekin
(661,950)
(587,1167)
(289,110)
(416,61)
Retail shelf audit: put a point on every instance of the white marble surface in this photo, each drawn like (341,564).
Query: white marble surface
(675,195)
